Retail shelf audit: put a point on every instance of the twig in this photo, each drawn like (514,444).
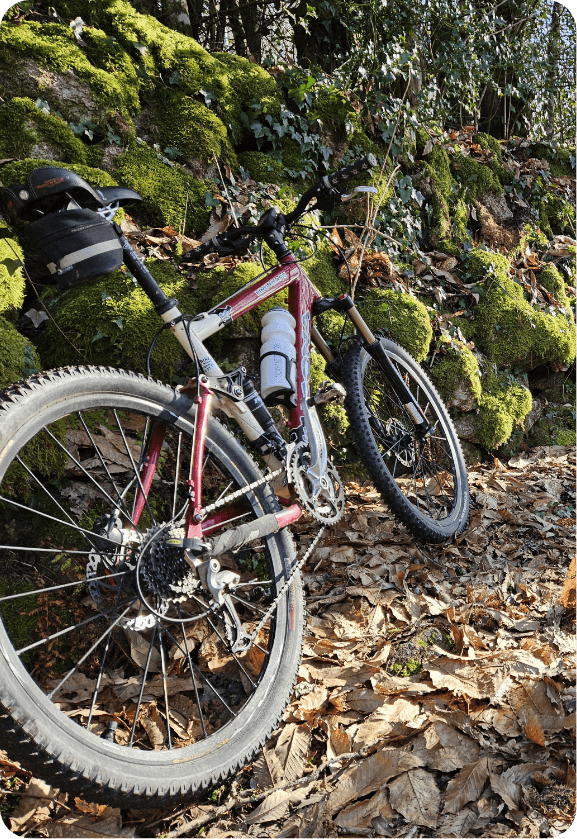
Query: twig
(254,799)
(367,226)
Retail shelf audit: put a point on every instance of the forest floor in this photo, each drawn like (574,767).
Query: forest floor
(436,695)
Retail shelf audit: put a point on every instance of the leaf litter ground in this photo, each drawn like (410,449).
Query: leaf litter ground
(436,696)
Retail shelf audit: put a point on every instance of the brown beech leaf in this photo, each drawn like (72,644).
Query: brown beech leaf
(268,771)
(272,808)
(509,791)
(457,824)
(35,803)
(460,676)
(292,749)
(532,705)
(467,785)
(84,828)
(416,796)
(369,775)
(361,813)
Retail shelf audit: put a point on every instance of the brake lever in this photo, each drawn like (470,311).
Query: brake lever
(372,190)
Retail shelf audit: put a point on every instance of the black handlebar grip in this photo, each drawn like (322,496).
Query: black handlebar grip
(360,165)
(201,250)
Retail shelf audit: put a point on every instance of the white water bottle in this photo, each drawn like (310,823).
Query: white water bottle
(278,358)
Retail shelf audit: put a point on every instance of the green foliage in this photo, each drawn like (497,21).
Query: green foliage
(488,142)
(24,127)
(475,178)
(12,284)
(164,189)
(556,428)
(18,357)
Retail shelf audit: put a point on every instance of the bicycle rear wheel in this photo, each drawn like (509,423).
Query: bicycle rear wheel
(119,679)
(423,480)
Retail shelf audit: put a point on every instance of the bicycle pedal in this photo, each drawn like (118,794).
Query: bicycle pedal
(333,393)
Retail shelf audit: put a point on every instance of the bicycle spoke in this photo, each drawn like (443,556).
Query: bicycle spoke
(141,692)
(99,454)
(81,467)
(103,662)
(59,587)
(33,646)
(92,648)
(185,639)
(163,671)
(134,469)
(58,521)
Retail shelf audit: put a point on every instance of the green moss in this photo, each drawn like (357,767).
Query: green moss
(436,166)
(23,126)
(402,317)
(112,321)
(18,357)
(457,367)
(503,405)
(246,82)
(164,190)
(555,214)
(508,329)
(106,53)
(359,140)
(18,622)
(12,283)
(475,178)
(191,128)
(559,158)
(224,285)
(551,279)
(16,173)
(261,167)
(322,270)
(556,428)
(292,160)
(53,45)
(488,142)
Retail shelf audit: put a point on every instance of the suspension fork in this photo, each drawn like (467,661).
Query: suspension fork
(375,349)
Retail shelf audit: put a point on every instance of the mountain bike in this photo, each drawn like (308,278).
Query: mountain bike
(150,593)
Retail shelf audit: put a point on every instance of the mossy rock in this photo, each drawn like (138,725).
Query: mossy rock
(26,131)
(170,195)
(189,126)
(112,321)
(17,171)
(12,283)
(503,405)
(556,428)
(44,60)
(261,167)
(475,178)
(246,82)
(443,189)
(555,214)
(18,357)
(507,328)
(457,377)
(561,160)
(488,142)
(402,317)
(551,279)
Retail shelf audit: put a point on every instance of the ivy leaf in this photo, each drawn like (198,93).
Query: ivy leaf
(172,152)
(174,78)
(208,96)
(142,72)
(118,322)
(12,265)
(142,49)
(42,106)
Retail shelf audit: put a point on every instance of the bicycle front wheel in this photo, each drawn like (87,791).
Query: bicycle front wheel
(424,481)
(119,678)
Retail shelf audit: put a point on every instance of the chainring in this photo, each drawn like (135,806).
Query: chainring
(327,506)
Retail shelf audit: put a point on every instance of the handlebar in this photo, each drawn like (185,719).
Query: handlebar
(355,168)
(236,240)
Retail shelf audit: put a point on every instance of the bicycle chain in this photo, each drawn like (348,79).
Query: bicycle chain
(239,492)
(232,497)
(287,583)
